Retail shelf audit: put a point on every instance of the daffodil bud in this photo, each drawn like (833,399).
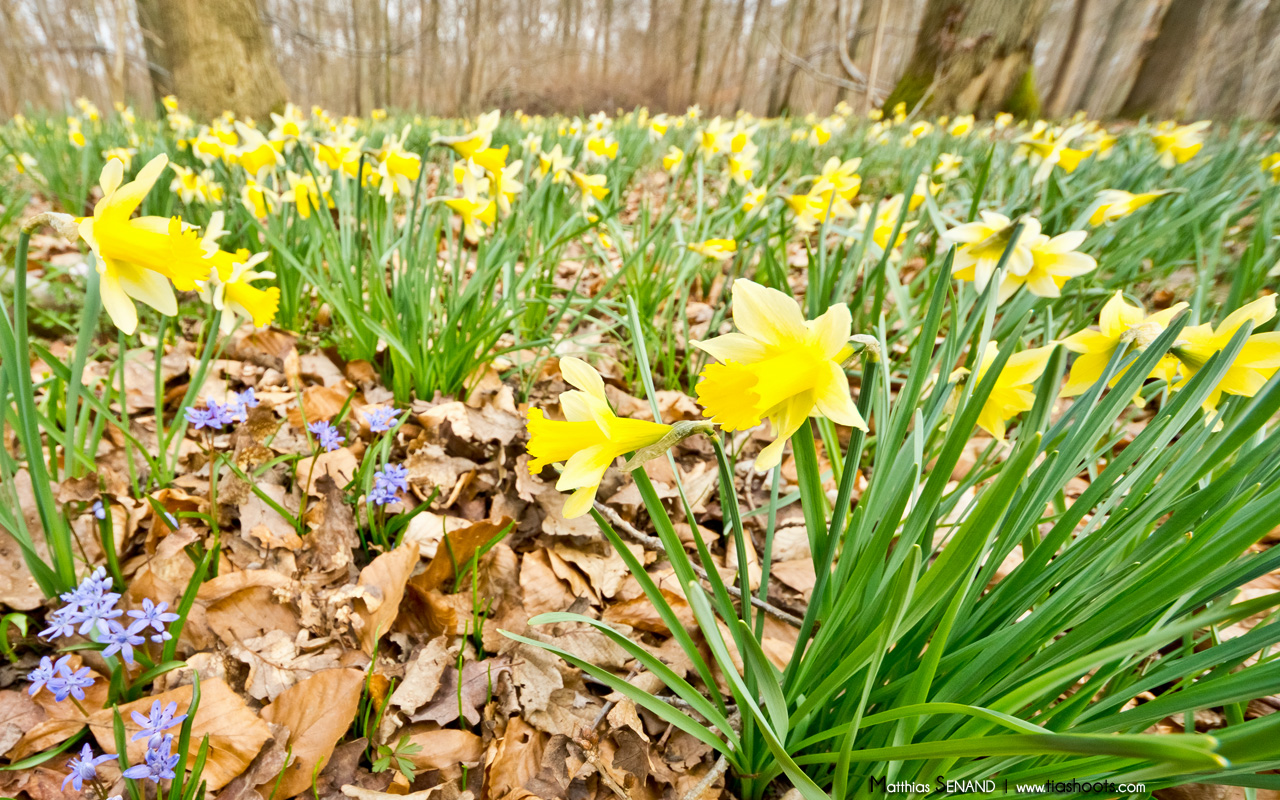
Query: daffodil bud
(678,433)
(64,224)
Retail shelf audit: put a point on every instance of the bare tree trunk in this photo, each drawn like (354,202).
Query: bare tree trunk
(974,55)
(218,52)
(357,59)
(1055,103)
(1164,82)
(759,20)
(730,51)
(469,87)
(700,53)
(776,101)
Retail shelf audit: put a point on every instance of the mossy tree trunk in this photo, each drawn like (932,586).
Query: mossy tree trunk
(974,56)
(213,54)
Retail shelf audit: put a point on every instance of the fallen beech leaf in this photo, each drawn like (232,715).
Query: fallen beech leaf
(459,548)
(62,720)
(328,547)
(235,733)
(516,757)
(317,713)
(446,748)
(320,402)
(641,614)
(264,768)
(340,465)
(373,794)
(278,660)
(383,583)
(18,713)
(422,676)
(477,681)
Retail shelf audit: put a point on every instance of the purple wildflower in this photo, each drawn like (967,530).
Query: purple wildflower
(69,683)
(122,640)
(90,605)
(157,722)
(99,510)
(381,419)
(239,403)
(155,615)
(47,672)
(328,435)
(60,625)
(198,417)
(159,763)
(388,483)
(84,768)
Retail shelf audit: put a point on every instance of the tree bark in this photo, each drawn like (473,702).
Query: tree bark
(1164,83)
(974,56)
(217,52)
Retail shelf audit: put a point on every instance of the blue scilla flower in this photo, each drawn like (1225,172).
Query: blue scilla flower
(161,719)
(381,419)
(327,435)
(84,767)
(388,483)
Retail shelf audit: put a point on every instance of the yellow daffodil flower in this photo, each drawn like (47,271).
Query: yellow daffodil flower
(1053,263)
(948,166)
(1013,392)
(1120,324)
(1176,144)
(123,154)
(1112,204)
(192,186)
(1271,166)
(982,243)
(468,144)
(592,187)
(718,249)
(753,198)
(658,127)
(1257,361)
(306,194)
(590,438)
(136,258)
(961,125)
(842,177)
(1048,148)
(255,154)
(673,159)
(229,287)
(398,167)
(476,209)
(258,199)
(923,185)
(1002,120)
(74,134)
(602,148)
(531,144)
(554,163)
(778,366)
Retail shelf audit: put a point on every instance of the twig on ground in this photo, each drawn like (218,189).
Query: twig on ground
(711,777)
(653,543)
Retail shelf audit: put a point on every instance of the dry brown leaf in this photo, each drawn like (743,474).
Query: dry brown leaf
(641,614)
(477,678)
(383,584)
(18,714)
(278,660)
(339,465)
(317,713)
(235,733)
(459,549)
(516,757)
(61,720)
(320,402)
(542,587)
(328,547)
(446,748)
(797,574)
